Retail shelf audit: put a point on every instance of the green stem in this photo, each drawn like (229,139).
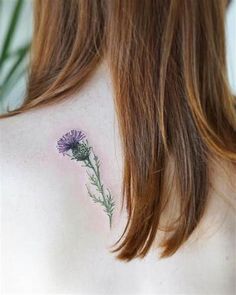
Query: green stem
(97,173)
(110,216)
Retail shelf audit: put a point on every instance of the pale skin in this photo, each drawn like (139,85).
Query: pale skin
(55,239)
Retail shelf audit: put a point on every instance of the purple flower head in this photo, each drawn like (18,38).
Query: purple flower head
(70,141)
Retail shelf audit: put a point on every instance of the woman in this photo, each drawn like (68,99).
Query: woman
(135,94)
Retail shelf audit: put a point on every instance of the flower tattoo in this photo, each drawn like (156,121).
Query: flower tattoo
(75,145)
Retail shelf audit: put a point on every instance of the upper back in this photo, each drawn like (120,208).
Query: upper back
(56,239)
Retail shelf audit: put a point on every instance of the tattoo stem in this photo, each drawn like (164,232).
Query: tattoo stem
(97,174)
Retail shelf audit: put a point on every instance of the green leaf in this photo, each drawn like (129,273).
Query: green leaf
(16,52)
(10,83)
(21,55)
(11,31)
(0,7)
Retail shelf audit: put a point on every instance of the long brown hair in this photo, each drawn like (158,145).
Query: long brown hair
(168,66)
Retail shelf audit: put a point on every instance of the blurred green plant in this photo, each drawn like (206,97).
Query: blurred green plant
(14,57)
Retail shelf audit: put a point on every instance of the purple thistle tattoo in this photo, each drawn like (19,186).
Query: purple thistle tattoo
(69,141)
(74,145)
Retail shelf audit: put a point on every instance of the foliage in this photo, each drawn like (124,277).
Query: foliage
(15,57)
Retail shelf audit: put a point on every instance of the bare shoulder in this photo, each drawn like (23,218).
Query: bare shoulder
(34,131)
(30,165)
